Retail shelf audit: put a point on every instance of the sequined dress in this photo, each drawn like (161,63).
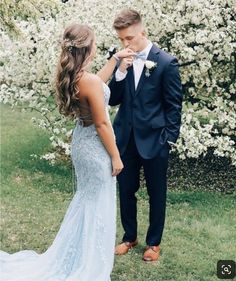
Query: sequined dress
(83,249)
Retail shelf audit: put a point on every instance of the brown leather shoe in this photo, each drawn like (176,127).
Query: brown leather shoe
(152,253)
(124,247)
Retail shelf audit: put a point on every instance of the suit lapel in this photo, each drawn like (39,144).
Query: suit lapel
(152,56)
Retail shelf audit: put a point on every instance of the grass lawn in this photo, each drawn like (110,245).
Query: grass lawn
(199,230)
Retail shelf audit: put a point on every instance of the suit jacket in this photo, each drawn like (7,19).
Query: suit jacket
(153,110)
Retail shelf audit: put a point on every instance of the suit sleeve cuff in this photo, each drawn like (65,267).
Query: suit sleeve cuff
(120,75)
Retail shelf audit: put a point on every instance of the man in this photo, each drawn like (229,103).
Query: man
(148,89)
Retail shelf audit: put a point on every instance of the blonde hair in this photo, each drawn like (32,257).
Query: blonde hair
(126,18)
(76,47)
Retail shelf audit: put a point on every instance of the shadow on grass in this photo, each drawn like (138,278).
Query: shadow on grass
(194,198)
(21,156)
(20,141)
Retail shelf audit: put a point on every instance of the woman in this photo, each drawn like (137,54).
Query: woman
(83,249)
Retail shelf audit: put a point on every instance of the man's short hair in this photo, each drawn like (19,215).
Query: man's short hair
(126,18)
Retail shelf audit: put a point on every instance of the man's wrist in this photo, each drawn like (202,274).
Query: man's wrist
(120,75)
(124,71)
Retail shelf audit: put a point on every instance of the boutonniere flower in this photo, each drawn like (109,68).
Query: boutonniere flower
(150,65)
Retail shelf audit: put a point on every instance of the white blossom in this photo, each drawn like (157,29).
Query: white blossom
(200,33)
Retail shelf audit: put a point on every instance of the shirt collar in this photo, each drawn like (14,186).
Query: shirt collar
(147,49)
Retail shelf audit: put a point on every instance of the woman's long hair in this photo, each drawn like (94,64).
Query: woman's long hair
(76,47)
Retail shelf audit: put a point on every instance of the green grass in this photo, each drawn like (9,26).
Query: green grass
(199,230)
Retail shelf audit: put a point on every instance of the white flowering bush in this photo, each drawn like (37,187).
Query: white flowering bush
(24,9)
(201,34)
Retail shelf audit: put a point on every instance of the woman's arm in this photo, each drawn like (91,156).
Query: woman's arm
(92,89)
(107,70)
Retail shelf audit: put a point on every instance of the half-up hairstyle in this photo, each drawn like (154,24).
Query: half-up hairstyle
(76,47)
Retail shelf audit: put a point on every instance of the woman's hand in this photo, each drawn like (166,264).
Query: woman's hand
(117,166)
(125,53)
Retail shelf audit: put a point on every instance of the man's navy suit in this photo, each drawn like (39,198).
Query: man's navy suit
(147,118)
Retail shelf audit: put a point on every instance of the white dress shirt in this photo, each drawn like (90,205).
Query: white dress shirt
(138,65)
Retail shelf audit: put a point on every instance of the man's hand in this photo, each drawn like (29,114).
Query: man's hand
(125,63)
(126,56)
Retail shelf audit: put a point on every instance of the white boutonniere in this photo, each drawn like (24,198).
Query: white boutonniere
(150,65)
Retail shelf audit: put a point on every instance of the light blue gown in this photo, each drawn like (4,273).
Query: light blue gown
(83,249)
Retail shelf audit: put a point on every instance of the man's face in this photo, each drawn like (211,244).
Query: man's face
(133,37)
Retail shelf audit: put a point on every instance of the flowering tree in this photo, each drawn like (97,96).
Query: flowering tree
(25,10)
(199,33)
